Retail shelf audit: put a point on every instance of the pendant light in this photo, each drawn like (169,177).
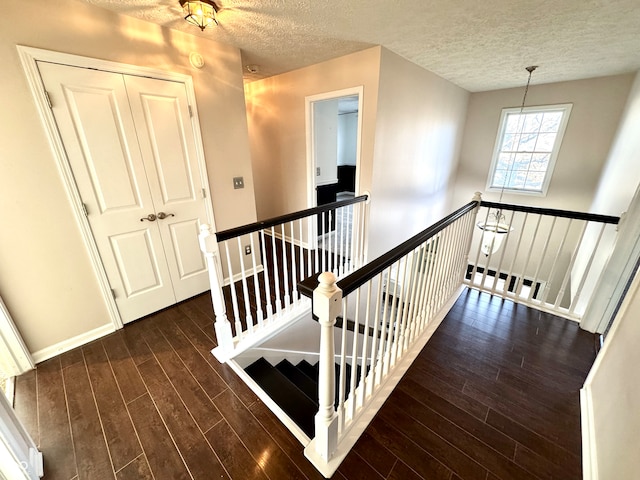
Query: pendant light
(495,229)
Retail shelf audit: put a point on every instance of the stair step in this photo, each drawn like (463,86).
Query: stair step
(309,370)
(300,408)
(299,379)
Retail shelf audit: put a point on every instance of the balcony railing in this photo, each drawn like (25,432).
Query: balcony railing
(393,305)
(549,259)
(263,262)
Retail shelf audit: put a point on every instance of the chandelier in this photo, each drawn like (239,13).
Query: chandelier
(494,228)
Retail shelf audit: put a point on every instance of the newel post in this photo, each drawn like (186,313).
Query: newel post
(209,246)
(326,306)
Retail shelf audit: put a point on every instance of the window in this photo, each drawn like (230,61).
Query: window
(526,148)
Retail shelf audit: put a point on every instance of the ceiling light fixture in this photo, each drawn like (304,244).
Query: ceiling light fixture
(200,13)
(494,228)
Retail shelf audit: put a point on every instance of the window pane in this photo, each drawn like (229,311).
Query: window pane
(545,142)
(517,179)
(540,161)
(527,142)
(510,142)
(532,122)
(504,161)
(534,181)
(499,178)
(551,122)
(514,122)
(522,161)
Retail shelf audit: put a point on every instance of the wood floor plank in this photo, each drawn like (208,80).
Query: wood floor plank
(439,448)
(204,345)
(402,446)
(123,366)
(233,454)
(92,456)
(118,430)
(354,467)
(138,469)
(285,439)
(206,376)
(193,396)
(198,455)
(478,428)
(401,471)
(55,430)
(375,454)
(256,438)
(160,451)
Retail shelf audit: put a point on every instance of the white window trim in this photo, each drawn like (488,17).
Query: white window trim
(566,109)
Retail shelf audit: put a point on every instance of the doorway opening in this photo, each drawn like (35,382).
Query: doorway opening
(334,125)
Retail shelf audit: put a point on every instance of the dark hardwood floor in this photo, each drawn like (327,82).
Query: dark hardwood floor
(494,395)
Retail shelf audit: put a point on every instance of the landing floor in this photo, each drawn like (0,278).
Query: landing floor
(494,395)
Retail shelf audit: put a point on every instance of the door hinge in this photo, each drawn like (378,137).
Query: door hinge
(113,293)
(85,209)
(48,97)
(204,193)
(190,111)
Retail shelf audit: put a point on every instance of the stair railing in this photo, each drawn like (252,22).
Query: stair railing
(254,269)
(395,302)
(549,259)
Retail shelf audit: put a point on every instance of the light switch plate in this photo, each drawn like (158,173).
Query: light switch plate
(238,182)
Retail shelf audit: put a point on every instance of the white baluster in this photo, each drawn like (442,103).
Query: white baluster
(248,318)
(276,277)
(267,286)
(209,247)
(234,298)
(285,269)
(294,268)
(326,306)
(256,283)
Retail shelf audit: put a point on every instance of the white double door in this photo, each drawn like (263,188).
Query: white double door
(131,146)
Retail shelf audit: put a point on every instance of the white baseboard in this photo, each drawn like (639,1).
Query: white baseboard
(589,457)
(71,343)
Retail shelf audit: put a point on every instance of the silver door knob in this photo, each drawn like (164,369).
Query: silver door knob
(151,217)
(162,215)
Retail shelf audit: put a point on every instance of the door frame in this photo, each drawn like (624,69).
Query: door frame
(311,156)
(29,56)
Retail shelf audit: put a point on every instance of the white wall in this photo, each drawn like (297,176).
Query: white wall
(419,127)
(598,104)
(325,131)
(610,400)
(347,138)
(619,183)
(47,280)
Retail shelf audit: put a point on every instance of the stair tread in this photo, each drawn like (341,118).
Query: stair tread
(308,386)
(290,398)
(309,370)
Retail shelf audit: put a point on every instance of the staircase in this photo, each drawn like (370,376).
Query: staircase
(295,388)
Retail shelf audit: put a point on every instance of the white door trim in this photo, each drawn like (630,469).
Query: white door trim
(311,161)
(19,358)
(29,56)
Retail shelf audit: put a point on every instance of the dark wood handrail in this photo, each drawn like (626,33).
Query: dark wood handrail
(290,217)
(590,217)
(370,270)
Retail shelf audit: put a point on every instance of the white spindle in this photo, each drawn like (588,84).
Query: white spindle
(567,276)
(502,252)
(576,298)
(285,269)
(354,355)
(547,287)
(526,263)
(534,282)
(343,224)
(245,291)
(326,306)
(294,271)
(378,331)
(234,299)
(342,371)
(507,281)
(276,276)
(365,345)
(324,241)
(267,285)
(256,283)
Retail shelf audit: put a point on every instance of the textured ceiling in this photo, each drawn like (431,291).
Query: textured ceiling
(478,45)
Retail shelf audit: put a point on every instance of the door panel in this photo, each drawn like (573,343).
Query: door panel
(94,119)
(160,108)
(136,247)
